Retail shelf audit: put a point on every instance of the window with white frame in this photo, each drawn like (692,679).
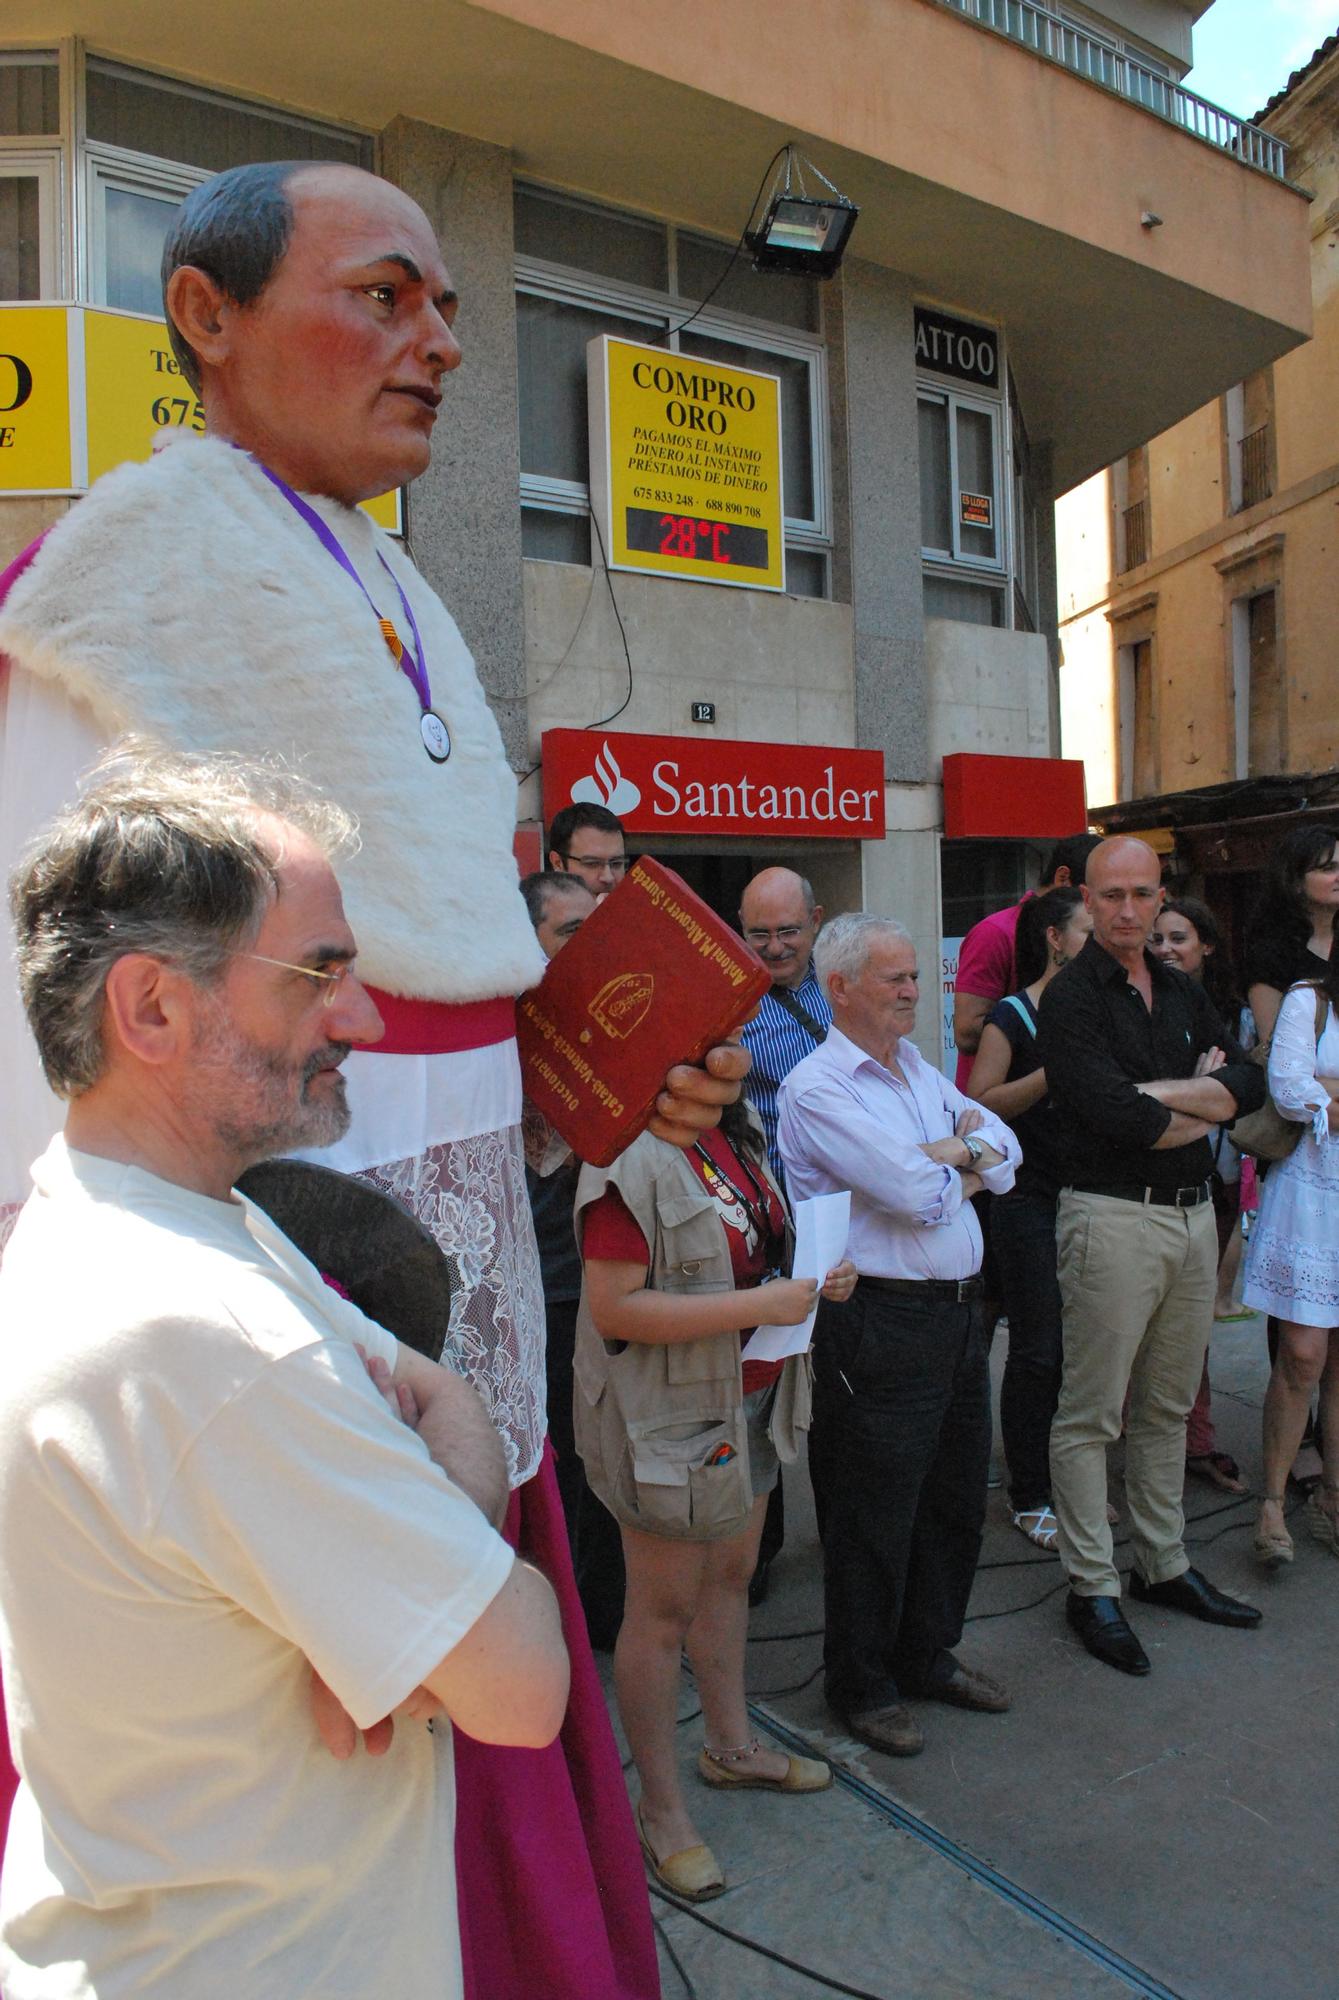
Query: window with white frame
(30,173)
(144,141)
(583,270)
(148,141)
(962,526)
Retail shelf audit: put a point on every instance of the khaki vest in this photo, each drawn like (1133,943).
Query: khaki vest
(650,1418)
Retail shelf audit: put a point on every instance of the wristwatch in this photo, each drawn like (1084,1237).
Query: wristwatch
(975,1148)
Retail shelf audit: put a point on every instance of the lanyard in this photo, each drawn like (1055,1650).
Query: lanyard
(761,1215)
(414,666)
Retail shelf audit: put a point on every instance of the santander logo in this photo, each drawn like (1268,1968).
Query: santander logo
(606,785)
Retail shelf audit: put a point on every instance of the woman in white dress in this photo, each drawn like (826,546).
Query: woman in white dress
(1292,1263)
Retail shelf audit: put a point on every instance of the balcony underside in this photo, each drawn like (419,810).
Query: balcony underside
(999,183)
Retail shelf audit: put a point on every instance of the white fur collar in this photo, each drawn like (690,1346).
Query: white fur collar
(186,600)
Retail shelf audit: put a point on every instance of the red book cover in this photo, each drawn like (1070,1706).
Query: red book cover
(653,978)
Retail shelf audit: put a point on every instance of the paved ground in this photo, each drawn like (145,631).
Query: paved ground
(1184,1825)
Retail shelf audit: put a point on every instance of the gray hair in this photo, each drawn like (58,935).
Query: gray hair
(164,854)
(236,229)
(844,943)
(547,882)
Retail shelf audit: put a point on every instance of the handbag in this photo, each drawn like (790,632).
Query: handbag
(1266,1134)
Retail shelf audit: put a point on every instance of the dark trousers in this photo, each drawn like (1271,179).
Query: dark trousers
(592,1531)
(902,1430)
(1022,1235)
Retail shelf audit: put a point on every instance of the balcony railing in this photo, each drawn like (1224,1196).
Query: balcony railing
(1135,522)
(1088,55)
(1255,485)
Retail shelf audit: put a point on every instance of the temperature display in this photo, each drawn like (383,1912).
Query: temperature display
(725,542)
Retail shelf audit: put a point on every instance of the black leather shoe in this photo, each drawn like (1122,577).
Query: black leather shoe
(1101,1625)
(1194,1593)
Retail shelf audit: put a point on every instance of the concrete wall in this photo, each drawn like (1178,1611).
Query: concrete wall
(1163,24)
(902,880)
(988,691)
(23,519)
(777,668)
(465,189)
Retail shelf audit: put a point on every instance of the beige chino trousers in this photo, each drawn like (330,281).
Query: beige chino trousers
(1137,1282)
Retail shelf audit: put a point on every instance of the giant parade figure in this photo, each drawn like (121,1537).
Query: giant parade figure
(230,595)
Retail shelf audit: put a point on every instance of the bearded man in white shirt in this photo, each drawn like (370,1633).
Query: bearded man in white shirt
(901,1377)
(217,1476)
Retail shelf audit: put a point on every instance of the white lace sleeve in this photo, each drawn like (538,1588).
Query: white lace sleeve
(471,1194)
(1292,1063)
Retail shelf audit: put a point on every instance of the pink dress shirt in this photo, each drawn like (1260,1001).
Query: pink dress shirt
(847,1122)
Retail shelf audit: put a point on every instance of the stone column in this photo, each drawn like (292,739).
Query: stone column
(464,513)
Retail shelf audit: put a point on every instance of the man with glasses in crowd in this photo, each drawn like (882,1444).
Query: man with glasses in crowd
(588,841)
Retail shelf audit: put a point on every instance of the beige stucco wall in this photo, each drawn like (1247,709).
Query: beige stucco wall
(1089,726)
(1200,558)
(1185,479)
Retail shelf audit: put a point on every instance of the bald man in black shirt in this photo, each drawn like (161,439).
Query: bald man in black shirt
(1139,1074)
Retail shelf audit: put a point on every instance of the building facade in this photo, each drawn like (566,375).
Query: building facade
(1009,318)
(1197,583)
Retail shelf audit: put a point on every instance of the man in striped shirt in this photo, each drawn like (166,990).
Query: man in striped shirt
(780,919)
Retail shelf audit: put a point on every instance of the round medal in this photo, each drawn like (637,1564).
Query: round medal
(436,736)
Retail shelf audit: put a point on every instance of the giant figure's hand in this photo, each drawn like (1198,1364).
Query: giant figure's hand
(693,1098)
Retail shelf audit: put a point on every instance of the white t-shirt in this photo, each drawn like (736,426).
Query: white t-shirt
(200,1492)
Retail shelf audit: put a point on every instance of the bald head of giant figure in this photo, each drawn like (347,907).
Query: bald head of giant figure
(310,308)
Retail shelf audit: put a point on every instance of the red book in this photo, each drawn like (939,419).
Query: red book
(653,978)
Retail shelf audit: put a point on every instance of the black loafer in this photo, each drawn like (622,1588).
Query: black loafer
(1100,1623)
(1194,1593)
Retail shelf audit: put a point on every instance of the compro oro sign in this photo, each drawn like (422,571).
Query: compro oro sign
(676,784)
(83,389)
(685,465)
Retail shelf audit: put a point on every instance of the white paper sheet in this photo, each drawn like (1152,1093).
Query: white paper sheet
(822,1225)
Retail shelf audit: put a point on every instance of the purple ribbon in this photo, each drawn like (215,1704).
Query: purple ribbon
(415,666)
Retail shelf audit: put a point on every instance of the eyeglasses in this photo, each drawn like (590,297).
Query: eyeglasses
(328,982)
(617,864)
(787,934)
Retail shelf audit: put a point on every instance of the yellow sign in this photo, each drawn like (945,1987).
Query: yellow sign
(59,433)
(685,461)
(34,400)
(134,390)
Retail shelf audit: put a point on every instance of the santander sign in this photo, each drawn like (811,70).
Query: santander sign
(690,784)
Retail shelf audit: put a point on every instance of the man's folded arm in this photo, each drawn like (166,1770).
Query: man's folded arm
(831,1129)
(1073,1041)
(457,1431)
(506,1681)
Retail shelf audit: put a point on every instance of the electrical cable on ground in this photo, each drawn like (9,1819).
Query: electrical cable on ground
(674,1958)
(764,1950)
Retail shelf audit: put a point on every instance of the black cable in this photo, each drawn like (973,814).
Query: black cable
(670,331)
(795,1687)
(674,1959)
(1012,1610)
(763,1950)
(595,523)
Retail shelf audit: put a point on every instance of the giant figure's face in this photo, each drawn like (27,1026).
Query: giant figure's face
(333,375)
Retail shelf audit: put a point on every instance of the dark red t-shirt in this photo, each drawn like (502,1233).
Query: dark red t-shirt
(611,1234)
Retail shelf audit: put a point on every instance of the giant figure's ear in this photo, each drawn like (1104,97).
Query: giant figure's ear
(202,313)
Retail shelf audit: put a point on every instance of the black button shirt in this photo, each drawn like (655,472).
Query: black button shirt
(1098,1042)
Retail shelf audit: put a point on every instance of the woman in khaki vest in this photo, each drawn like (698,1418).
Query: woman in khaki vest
(682,1442)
